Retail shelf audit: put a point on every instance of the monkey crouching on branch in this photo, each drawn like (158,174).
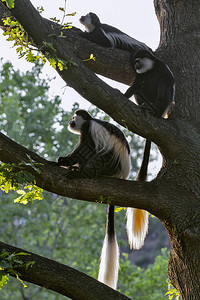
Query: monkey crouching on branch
(153,86)
(154,91)
(102,150)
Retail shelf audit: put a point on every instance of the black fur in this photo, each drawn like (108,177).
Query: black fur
(86,161)
(110,226)
(142,174)
(90,162)
(109,36)
(154,89)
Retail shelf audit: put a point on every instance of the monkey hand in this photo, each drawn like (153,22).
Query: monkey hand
(65,161)
(74,168)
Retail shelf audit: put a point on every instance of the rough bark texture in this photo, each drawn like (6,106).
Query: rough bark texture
(180,40)
(174,196)
(62,279)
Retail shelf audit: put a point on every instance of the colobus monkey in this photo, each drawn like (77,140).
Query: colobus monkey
(102,151)
(154,86)
(108,36)
(154,90)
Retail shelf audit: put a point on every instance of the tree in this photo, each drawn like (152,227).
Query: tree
(174,195)
(69,229)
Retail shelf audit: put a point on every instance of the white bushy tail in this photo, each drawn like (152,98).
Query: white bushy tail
(137,219)
(136,226)
(109,265)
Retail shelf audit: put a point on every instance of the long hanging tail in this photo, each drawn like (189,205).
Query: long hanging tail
(137,219)
(109,265)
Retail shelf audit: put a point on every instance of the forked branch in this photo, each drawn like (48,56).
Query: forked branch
(84,80)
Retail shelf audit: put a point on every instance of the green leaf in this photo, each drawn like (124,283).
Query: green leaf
(29,264)
(6,187)
(10,3)
(3,279)
(72,14)
(118,209)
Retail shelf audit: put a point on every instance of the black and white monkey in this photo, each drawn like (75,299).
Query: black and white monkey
(154,86)
(154,90)
(102,151)
(108,36)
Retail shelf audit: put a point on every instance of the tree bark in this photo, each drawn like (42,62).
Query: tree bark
(180,25)
(174,196)
(62,279)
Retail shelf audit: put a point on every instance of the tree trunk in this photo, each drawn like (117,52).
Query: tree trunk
(174,196)
(180,40)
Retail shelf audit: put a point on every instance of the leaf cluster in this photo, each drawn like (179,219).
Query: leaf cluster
(24,48)
(10,264)
(17,34)
(13,176)
(172,293)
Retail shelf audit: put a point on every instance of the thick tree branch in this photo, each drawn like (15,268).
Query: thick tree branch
(86,83)
(107,61)
(165,133)
(60,278)
(145,195)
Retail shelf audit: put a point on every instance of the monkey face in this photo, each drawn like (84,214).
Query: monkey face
(90,21)
(75,124)
(87,22)
(143,64)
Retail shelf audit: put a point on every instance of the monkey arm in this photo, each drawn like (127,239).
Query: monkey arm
(66,161)
(71,159)
(134,88)
(130,92)
(97,37)
(82,153)
(98,165)
(140,99)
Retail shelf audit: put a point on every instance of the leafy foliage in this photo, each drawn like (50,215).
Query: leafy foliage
(172,293)
(13,176)
(27,114)
(9,265)
(17,34)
